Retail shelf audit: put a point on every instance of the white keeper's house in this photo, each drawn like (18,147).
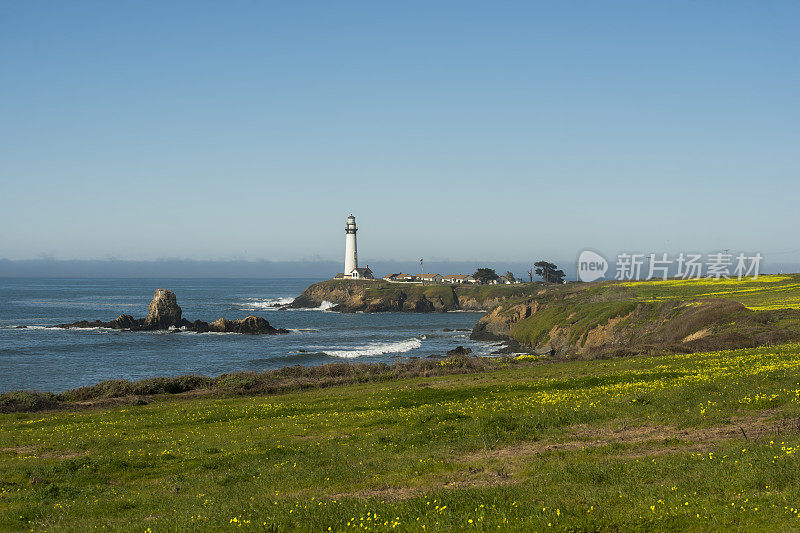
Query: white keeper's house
(459,278)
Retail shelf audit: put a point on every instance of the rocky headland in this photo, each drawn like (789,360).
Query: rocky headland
(350,296)
(164,313)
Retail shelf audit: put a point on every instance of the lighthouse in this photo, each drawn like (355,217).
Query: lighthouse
(351,269)
(350,250)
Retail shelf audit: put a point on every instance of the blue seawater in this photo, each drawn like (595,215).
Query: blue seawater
(40,357)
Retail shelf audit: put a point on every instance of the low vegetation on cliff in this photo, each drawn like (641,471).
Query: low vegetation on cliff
(597,319)
(286,379)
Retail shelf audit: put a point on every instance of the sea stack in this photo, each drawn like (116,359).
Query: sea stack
(164,311)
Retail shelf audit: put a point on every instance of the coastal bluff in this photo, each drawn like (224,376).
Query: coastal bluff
(609,318)
(164,314)
(371,296)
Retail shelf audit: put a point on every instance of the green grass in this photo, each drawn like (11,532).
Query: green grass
(623,444)
(764,293)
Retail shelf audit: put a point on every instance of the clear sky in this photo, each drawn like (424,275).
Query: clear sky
(452,130)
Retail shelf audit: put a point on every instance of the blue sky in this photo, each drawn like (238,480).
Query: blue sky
(453,130)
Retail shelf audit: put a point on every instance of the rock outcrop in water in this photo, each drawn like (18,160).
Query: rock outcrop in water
(460,350)
(164,313)
(251,325)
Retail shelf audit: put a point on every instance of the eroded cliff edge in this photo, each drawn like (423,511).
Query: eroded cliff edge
(609,318)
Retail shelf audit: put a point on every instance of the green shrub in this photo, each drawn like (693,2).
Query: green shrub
(21,401)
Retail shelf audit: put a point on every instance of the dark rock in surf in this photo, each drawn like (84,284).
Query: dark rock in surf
(125,322)
(223,325)
(460,350)
(255,325)
(199,326)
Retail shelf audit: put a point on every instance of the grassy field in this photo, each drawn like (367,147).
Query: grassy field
(763,293)
(684,442)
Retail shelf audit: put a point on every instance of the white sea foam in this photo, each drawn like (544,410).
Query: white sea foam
(378,348)
(56,328)
(303,330)
(487,347)
(252,304)
(491,344)
(324,306)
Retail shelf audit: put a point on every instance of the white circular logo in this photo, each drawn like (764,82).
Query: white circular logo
(591,266)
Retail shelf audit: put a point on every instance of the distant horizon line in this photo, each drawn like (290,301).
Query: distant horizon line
(272,269)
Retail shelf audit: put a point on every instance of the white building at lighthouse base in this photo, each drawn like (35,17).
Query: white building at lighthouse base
(359,273)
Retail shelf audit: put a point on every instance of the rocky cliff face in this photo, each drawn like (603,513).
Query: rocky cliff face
(372,297)
(497,323)
(338,293)
(467,302)
(164,313)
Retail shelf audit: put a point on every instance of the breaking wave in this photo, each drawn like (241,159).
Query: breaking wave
(378,348)
(324,306)
(56,328)
(253,304)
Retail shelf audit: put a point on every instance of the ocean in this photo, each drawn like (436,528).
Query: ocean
(40,357)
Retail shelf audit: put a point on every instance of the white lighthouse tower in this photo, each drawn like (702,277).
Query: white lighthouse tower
(350,250)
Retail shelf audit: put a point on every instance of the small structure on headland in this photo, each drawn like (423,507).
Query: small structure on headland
(400,277)
(459,278)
